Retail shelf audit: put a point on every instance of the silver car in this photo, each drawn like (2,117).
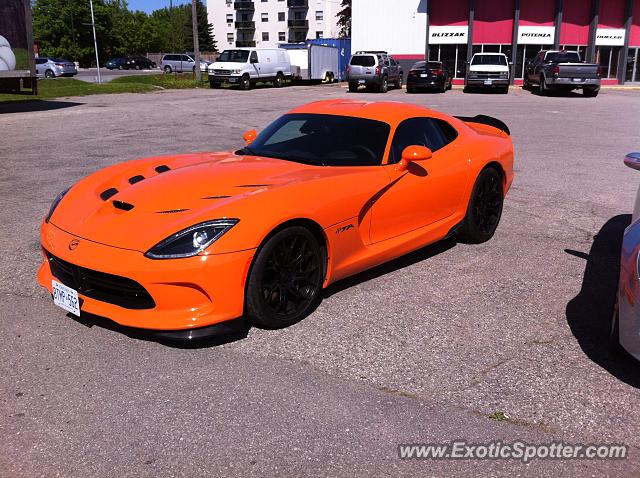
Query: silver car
(181,63)
(625,326)
(52,67)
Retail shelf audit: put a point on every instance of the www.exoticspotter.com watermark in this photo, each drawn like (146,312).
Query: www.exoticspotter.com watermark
(517,450)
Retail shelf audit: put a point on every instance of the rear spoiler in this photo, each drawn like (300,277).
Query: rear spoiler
(488,120)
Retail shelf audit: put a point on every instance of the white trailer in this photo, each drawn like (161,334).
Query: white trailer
(312,62)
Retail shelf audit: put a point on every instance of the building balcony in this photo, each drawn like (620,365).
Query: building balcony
(245,43)
(244,6)
(299,24)
(298,3)
(246,25)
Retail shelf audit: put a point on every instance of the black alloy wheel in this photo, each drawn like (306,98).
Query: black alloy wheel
(286,279)
(384,85)
(485,208)
(245,83)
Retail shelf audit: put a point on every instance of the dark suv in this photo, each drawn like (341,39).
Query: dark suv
(374,70)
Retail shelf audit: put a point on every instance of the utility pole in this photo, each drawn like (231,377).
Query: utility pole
(196,41)
(95,41)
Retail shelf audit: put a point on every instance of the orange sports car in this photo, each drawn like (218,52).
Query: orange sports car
(196,244)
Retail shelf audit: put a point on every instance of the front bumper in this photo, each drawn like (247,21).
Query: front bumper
(488,82)
(231,79)
(571,82)
(188,293)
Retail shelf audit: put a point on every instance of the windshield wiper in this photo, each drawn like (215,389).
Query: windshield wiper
(245,151)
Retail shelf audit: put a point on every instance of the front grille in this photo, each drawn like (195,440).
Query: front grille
(489,76)
(222,72)
(101,286)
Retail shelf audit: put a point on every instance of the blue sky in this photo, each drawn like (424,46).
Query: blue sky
(151,5)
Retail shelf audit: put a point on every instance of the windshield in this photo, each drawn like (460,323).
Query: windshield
(234,56)
(489,60)
(324,140)
(563,57)
(363,60)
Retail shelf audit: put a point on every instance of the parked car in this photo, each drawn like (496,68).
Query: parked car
(561,70)
(254,235)
(625,325)
(428,75)
(117,64)
(177,62)
(374,70)
(141,63)
(488,70)
(247,66)
(52,67)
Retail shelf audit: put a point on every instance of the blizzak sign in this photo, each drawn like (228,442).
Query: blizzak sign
(536,35)
(610,36)
(448,35)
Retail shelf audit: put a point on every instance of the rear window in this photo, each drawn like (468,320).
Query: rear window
(489,60)
(563,57)
(363,60)
(434,64)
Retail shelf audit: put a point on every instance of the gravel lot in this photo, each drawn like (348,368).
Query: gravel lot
(420,350)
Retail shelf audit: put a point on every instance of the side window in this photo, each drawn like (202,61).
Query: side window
(254,57)
(429,132)
(40,61)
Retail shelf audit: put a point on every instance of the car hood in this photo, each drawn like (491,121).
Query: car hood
(221,65)
(133,206)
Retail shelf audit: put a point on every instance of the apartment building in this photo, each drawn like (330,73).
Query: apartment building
(266,23)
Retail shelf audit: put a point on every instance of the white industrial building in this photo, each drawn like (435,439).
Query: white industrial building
(266,23)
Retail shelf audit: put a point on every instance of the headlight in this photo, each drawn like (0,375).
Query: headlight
(191,241)
(235,72)
(55,203)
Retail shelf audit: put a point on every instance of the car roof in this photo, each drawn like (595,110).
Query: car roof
(391,112)
(490,53)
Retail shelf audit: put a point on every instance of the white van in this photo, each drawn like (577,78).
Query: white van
(248,66)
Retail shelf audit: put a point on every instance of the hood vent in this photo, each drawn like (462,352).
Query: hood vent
(216,197)
(163,168)
(171,211)
(125,206)
(252,185)
(136,179)
(107,193)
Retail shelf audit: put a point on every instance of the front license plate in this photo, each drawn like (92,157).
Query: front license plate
(361,82)
(487,82)
(65,297)
(233,80)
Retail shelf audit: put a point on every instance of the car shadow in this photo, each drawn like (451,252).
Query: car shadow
(33,104)
(391,266)
(589,313)
(564,94)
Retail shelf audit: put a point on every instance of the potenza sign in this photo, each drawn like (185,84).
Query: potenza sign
(610,36)
(448,35)
(536,35)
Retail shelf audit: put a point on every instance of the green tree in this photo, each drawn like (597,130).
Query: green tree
(344,19)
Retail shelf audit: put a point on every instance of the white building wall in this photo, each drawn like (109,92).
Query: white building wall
(398,26)
(226,34)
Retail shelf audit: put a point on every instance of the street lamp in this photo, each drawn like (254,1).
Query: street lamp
(95,41)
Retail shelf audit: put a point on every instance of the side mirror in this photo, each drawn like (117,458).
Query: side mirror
(249,136)
(632,160)
(253,60)
(411,154)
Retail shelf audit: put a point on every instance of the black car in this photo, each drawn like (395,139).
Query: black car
(141,63)
(117,64)
(428,75)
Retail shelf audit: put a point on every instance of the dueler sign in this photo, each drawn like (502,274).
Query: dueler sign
(536,35)
(610,36)
(448,35)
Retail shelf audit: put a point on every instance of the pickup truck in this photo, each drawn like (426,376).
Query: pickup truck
(560,70)
(488,70)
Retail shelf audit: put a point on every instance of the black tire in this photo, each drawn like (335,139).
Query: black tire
(614,334)
(399,82)
(525,83)
(214,85)
(353,87)
(49,74)
(410,89)
(542,87)
(505,90)
(484,209)
(450,84)
(285,280)
(590,92)
(384,85)
(245,83)
(167,69)
(443,89)
(279,81)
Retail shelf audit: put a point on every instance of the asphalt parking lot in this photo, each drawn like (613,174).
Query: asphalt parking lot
(424,349)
